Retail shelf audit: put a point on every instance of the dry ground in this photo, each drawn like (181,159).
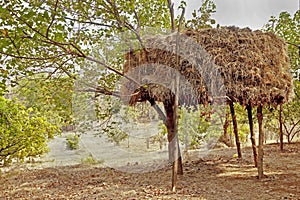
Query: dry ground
(217,176)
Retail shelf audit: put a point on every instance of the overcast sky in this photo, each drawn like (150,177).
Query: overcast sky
(244,13)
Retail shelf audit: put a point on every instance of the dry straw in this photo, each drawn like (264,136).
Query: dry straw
(254,67)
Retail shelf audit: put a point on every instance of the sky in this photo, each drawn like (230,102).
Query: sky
(244,13)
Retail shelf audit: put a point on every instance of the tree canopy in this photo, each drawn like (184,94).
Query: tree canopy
(54,36)
(287,27)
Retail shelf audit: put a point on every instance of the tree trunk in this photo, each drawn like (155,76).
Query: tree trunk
(158,110)
(235,130)
(225,139)
(252,136)
(160,143)
(148,143)
(280,127)
(260,142)
(173,147)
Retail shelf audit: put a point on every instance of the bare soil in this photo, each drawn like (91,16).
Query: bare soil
(220,175)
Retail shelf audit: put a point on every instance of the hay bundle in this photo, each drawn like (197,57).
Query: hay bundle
(253,65)
(158,80)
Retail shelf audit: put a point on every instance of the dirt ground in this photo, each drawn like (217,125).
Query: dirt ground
(218,176)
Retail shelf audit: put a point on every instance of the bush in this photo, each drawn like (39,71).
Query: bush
(90,160)
(23,132)
(73,142)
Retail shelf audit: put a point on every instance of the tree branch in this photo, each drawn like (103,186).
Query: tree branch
(14,44)
(137,19)
(33,58)
(111,69)
(171,9)
(294,126)
(89,22)
(115,12)
(296,45)
(53,18)
(131,28)
(181,19)
(101,90)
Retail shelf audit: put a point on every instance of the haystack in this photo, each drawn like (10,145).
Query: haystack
(253,65)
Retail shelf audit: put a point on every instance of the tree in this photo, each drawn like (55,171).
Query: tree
(287,27)
(23,132)
(57,37)
(290,117)
(52,36)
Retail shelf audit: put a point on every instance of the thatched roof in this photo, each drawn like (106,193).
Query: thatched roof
(254,66)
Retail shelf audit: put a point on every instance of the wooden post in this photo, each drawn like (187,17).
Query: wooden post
(252,136)
(280,127)
(175,154)
(235,130)
(260,142)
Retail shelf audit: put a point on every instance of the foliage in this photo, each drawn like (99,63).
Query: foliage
(90,160)
(202,17)
(114,133)
(110,126)
(42,35)
(161,136)
(287,27)
(2,88)
(73,141)
(23,132)
(55,37)
(106,107)
(52,97)
(100,115)
(141,112)
(290,116)
(192,127)
(58,37)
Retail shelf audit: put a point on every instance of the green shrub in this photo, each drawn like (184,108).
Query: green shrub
(90,160)
(23,132)
(73,142)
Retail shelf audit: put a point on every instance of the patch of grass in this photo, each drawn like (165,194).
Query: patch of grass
(90,160)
